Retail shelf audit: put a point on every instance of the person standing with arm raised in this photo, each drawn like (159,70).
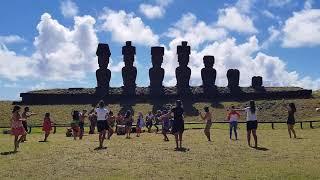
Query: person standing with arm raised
(102,123)
(207,117)
(291,108)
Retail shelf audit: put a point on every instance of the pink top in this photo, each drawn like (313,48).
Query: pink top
(233,116)
(16,121)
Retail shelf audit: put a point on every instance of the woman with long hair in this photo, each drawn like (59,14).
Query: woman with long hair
(291,108)
(207,117)
(178,124)
(129,120)
(17,128)
(102,123)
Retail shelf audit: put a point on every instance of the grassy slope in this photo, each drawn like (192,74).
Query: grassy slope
(271,110)
(148,157)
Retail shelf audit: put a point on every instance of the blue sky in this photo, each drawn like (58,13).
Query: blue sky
(51,44)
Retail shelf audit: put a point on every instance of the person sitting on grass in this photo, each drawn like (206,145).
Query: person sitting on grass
(75,124)
(102,123)
(165,118)
(47,126)
(207,117)
(111,122)
(149,119)
(17,128)
(291,108)
(83,116)
(233,118)
(140,124)
(128,120)
(25,115)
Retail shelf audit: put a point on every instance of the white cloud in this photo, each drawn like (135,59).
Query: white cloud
(127,27)
(232,19)
(302,29)
(270,15)
(274,35)
(278,3)
(154,11)
(69,8)
(11,39)
(196,32)
(308,4)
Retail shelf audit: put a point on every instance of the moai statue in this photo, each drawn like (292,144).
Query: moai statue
(156,73)
(256,82)
(129,72)
(103,74)
(183,72)
(208,73)
(233,76)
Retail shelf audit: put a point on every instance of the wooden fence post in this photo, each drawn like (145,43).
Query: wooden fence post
(301,125)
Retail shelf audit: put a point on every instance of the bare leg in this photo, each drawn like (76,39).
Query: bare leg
(16,143)
(180,138)
(254,132)
(46,135)
(177,139)
(293,131)
(249,137)
(289,130)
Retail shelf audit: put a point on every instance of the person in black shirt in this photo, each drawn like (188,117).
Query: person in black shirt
(178,123)
(291,120)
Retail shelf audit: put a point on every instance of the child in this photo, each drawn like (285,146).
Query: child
(233,118)
(83,116)
(165,124)
(149,119)
(140,124)
(157,120)
(111,122)
(208,120)
(25,115)
(17,128)
(93,120)
(128,119)
(291,108)
(75,124)
(120,122)
(46,126)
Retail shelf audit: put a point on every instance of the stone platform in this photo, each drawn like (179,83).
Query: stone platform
(169,94)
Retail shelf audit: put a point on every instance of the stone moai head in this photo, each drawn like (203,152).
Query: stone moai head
(233,76)
(128,52)
(183,52)
(103,53)
(208,61)
(256,81)
(157,56)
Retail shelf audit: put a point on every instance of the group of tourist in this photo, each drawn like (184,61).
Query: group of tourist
(172,121)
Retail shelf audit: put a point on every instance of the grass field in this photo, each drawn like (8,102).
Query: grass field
(270,110)
(148,157)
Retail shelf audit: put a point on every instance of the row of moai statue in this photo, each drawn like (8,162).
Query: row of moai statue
(156,72)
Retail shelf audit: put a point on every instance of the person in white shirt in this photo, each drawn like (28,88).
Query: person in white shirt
(102,123)
(252,123)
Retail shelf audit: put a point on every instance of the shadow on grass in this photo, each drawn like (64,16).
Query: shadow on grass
(100,148)
(261,148)
(183,149)
(43,141)
(300,138)
(8,153)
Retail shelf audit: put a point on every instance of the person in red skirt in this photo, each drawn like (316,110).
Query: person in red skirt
(47,126)
(17,128)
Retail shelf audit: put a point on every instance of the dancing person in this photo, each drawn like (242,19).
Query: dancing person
(207,117)
(102,123)
(119,121)
(83,116)
(149,119)
(25,115)
(128,120)
(17,128)
(140,124)
(165,118)
(47,126)
(75,124)
(111,123)
(291,108)
(157,120)
(252,123)
(93,120)
(233,118)
(178,124)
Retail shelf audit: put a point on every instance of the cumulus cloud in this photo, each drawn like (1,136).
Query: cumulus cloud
(69,8)
(126,26)
(274,35)
(278,3)
(232,19)
(302,29)
(11,39)
(154,11)
(270,15)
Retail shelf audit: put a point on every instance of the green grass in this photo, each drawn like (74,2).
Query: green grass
(148,157)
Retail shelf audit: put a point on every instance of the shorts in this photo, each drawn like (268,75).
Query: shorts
(102,125)
(252,125)
(81,125)
(25,125)
(234,124)
(177,126)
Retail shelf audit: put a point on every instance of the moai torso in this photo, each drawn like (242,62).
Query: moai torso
(103,74)
(256,82)
(233,76)
(183,72)
(208,73)
(129,72)
(156,73)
